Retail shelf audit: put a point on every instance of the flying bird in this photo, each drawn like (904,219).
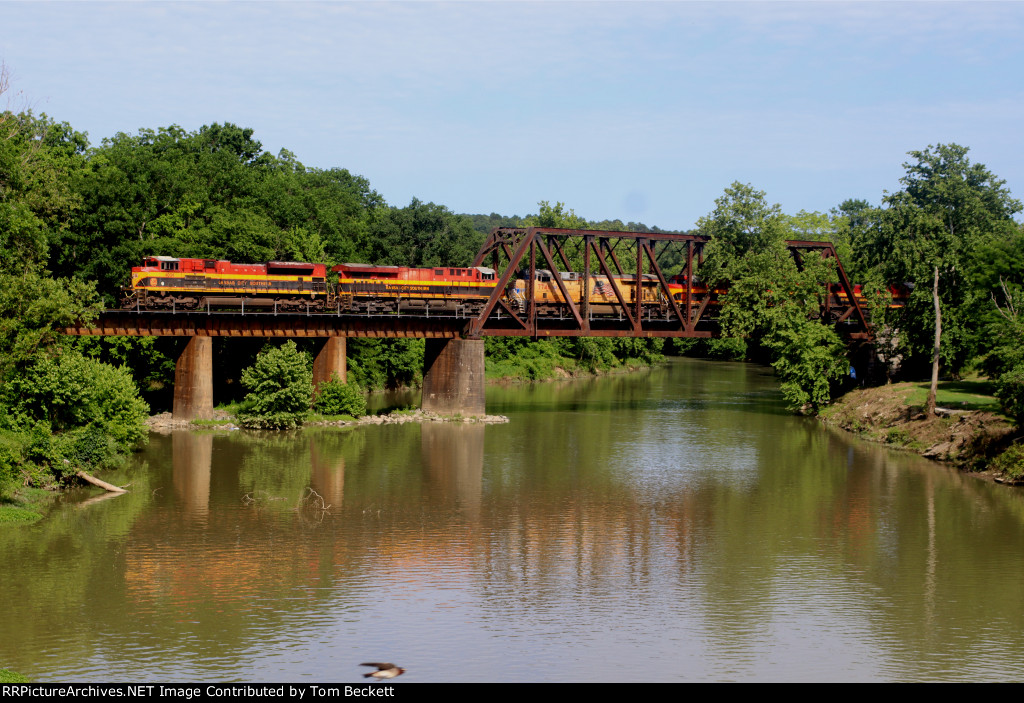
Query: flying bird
(385,670)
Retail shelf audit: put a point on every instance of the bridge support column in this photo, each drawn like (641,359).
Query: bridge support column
(453,377)
(330,361)
(193,381)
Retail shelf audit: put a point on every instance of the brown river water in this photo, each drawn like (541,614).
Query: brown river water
(675,524)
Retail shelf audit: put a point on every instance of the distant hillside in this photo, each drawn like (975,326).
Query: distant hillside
(485,223)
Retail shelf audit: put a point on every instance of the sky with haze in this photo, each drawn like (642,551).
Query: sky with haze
(639,111)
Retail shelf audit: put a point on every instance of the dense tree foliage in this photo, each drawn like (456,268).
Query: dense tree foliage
(210,193)
(420,234)
(929,234)
(59,411)
(335,397)
(280,386)
(771,301)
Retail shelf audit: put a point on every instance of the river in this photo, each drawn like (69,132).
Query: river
(675,524)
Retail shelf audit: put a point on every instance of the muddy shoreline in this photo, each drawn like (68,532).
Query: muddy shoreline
(965,439)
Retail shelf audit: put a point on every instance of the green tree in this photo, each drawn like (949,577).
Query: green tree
(71,392)
(556,215)
(280,386)
(1006,357)
(856,221)
(37,160)
(209,193)
(33,308)
(770,300)
(385,363)
(420,234)
(928,230)
(335,397)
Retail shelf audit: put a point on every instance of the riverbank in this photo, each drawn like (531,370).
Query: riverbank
(967,432)
(25,505)
(164,423)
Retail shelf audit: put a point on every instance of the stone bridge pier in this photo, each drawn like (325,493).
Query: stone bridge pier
(193,374)
(193,381)
(453,375)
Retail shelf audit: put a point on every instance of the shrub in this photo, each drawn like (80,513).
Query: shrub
(335,397)
(280,386)
(728,348)
(10,460)
(1011,462)
(71,391)
(1010,392)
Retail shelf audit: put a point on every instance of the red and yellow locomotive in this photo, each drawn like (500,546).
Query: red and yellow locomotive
(168,283)
(366,289)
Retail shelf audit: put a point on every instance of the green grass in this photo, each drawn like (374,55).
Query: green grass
(24,505)
(316,417)
(14,513)
(973,394)
(8,676)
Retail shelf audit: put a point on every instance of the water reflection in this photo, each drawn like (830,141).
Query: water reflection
(669,525)
(191,456)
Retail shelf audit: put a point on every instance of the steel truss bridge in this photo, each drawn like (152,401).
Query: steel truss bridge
(515,253)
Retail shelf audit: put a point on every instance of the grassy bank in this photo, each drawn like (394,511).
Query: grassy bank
(969,431)
(8,676)
(24,505)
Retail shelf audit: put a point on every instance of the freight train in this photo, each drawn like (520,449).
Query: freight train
(168,283)
(187,284)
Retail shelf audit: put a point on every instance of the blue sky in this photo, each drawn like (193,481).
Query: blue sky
(641,111)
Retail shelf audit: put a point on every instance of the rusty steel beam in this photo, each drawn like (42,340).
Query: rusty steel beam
(827,250)
(135,324)
(557,275)
(615,289)
(594,332)
(664,285)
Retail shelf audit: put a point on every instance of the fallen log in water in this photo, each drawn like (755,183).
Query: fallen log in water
(102,484)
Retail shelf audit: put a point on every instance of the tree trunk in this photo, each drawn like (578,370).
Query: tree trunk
(935,354)
(97,482)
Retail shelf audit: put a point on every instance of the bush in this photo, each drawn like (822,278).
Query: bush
(807,360)
(335,397)
(1010,392)
(67,412)
(280,386)
(10,461)
(1011,462)
(727,348)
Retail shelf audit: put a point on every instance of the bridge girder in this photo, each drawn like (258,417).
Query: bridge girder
(513,251)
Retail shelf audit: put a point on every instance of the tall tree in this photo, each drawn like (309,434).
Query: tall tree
(420,234)
(946,208)
(769,299)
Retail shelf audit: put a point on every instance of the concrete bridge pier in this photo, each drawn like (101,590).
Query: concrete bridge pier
(193,381)
(329,361)
(453,377)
